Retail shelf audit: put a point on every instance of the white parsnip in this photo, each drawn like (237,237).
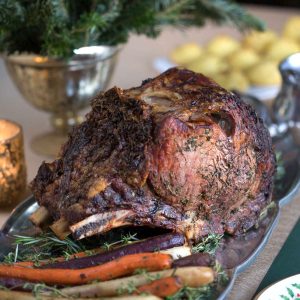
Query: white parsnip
(178,252)
(190,276)
(13,295)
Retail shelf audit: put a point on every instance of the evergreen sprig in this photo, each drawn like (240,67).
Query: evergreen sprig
(56,27)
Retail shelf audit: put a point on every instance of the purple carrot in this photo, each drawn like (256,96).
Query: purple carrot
(197,259)
(161,242)
(12,283)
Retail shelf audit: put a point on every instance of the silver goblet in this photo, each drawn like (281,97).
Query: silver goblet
(61,87)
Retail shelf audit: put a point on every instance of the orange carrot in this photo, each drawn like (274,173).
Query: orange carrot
(24,264)
(163,287)
(120,267)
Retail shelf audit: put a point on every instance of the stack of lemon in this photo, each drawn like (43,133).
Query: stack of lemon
(234,64)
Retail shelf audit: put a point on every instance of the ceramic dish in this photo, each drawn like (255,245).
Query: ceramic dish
(288,288)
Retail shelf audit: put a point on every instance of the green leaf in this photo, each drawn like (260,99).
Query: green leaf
(291,293)
(296,285)
(209,244)
(284,297)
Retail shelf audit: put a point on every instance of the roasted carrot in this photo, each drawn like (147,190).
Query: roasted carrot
(153,244)
(120,267)
(24,264)
(163,287)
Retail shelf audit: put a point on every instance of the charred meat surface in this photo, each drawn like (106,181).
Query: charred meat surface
(178,152)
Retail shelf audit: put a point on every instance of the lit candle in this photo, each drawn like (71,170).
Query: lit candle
(12,164)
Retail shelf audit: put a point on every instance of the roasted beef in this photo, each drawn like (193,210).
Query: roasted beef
(178,152)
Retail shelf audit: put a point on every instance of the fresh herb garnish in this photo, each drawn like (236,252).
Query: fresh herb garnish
(129,288)
(208,244)
(206,292)
(4,288)
(43,246)
(125,239)
(191,144)
(222,276)
(189,293)
(150,277)
(12,257)
(39,289)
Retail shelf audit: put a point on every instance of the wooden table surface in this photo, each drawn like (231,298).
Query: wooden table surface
(135,64)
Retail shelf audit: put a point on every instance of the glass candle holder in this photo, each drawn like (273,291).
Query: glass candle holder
(12,164)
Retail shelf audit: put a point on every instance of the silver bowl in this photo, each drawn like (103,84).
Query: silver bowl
(62,87)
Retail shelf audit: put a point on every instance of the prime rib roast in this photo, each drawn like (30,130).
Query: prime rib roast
(178,152)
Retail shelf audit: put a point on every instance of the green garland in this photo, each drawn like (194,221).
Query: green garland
(56,27)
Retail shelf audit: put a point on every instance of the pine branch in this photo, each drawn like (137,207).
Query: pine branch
(56,27)
(222,11)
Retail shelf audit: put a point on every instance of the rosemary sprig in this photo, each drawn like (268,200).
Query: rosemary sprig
(43,246)
(47,246)
(125,239)
(49,241)
(208,244)
(12,257)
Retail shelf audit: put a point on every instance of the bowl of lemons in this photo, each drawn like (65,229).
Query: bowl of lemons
(247,65)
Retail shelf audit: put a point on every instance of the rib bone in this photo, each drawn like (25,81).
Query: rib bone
(101,223)
(61,228)
(40,217)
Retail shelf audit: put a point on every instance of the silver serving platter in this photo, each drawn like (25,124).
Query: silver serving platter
(235,253)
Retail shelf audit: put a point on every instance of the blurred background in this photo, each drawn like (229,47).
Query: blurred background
(291,3)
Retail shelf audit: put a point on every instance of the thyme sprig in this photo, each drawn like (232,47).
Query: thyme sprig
(206,292)
(147,275)
(38,289)
(189,293)
(129,288)
(209,244)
